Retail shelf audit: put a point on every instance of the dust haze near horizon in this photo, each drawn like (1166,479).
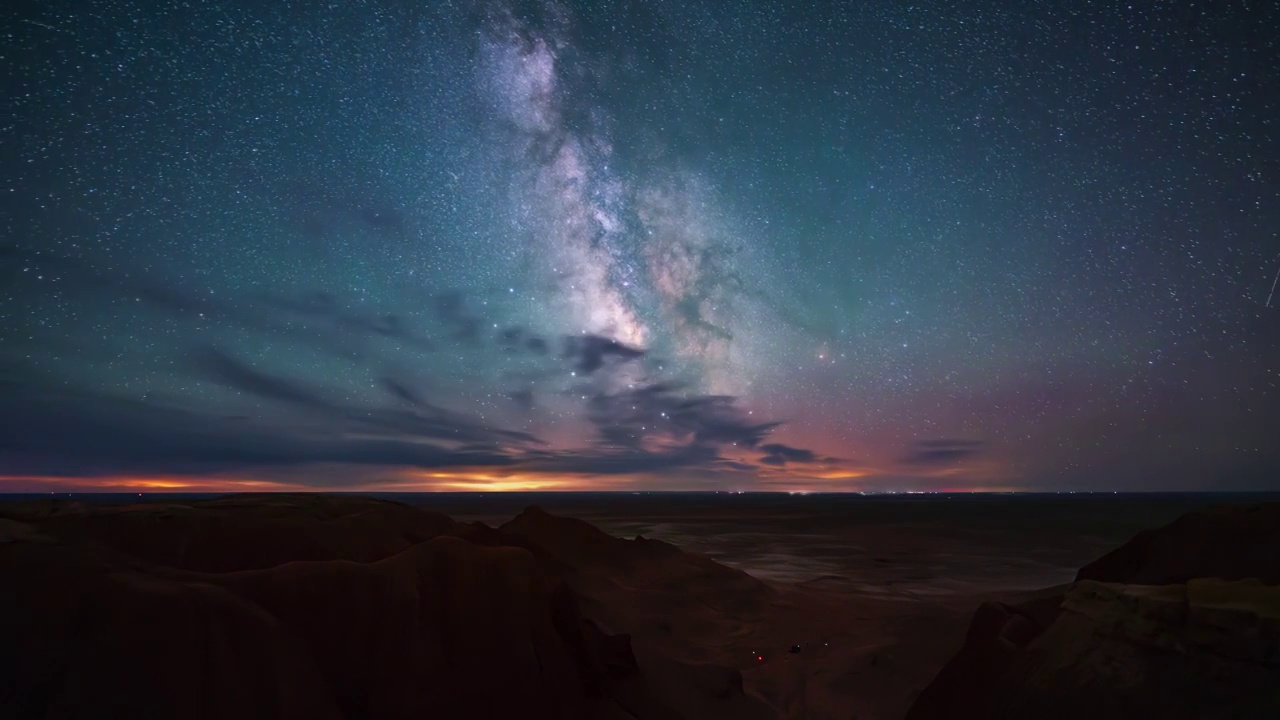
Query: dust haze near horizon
(627,246)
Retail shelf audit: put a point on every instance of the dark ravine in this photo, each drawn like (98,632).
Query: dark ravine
(1181,622)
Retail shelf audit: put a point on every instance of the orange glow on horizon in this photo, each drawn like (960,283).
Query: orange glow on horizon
(488,481)
(818,477)
(397,480)
(133,483)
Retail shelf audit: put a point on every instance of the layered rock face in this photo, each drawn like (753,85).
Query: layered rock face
(318,607)
(1182,622)
(1232,543)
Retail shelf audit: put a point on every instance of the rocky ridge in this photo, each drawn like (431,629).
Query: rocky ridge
(1181,622)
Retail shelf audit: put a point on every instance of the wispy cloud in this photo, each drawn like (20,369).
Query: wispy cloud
(943,451)
(259,414)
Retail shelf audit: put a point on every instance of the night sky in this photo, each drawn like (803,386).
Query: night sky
(681,244)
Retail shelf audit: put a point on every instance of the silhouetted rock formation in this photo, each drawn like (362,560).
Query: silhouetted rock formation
(1165,636)
(585,549)
(1232,543)
(321,607)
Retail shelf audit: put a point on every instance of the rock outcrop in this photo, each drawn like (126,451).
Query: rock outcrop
(1182,622)
(1232,543)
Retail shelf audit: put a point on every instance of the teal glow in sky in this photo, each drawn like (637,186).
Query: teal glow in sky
(681,245)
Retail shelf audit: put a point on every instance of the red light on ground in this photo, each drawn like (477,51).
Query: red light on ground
(760,658)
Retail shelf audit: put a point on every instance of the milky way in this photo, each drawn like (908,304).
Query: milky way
(628,245)
(635,256)
(565,202)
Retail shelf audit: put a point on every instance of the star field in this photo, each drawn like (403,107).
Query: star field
(629,245)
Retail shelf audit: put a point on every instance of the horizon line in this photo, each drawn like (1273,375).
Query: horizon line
(320,491)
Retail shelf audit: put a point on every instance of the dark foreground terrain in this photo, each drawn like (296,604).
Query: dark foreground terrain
(334,606)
